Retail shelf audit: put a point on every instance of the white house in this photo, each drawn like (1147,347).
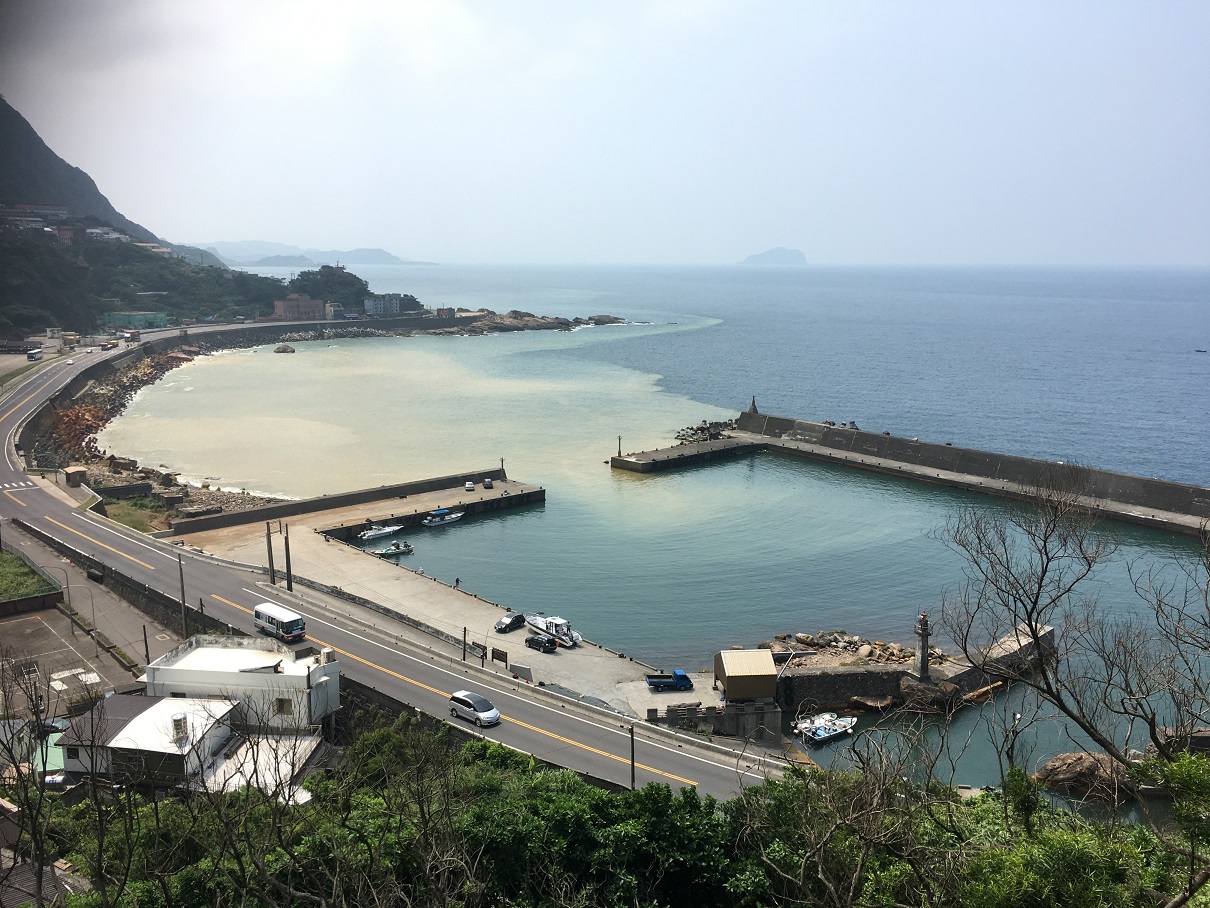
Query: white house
(275,688)
(139,740)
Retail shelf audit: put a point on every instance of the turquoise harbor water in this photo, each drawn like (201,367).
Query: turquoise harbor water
(1093,366)
(1099,367)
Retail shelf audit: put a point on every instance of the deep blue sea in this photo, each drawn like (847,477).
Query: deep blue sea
(1095,366)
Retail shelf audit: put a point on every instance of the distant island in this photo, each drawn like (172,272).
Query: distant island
(261,252)
(778,256)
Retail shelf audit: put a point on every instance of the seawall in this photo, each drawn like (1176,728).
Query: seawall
(1156,503)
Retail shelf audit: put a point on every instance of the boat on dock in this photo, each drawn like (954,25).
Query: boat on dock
(559,628)
(377,532)
(441,517)
(824,727)
(395,548)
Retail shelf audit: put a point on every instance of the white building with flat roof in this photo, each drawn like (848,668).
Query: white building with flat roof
(275,687)
(139,740)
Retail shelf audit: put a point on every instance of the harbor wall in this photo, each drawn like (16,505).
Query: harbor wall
(1134,491)
(283,509)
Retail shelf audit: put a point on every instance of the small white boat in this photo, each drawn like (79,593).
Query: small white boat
(395,548)
(378,532)
(559,628)
(441,517)
(824,727)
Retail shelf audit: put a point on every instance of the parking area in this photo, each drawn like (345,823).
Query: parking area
(44,652)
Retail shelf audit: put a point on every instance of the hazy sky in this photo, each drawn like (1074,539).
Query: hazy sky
(685,131)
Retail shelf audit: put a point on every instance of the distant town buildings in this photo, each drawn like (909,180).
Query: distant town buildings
(298,306)
(137,320)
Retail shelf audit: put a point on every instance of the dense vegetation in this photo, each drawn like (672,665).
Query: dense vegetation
(333,285)
(408,818)
(45,285)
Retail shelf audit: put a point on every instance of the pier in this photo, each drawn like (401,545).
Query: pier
(1155,503)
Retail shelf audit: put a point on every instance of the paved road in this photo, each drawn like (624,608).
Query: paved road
(594,743)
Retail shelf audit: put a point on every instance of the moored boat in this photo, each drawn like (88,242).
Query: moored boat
(824,727)
(441,517)
(559,628)
(395,548)
(377,532)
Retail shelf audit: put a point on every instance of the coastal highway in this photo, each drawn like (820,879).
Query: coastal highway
(591,742)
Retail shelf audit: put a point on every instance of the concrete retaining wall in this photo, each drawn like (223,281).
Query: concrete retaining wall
(1134,491)
(285,509)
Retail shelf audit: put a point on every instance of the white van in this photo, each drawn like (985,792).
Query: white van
(278,621)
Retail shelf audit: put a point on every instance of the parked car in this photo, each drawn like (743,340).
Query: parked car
(487,483)
(470,486)
(542,642)
(510,622)
(465,704)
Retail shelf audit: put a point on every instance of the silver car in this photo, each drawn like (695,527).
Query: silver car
(473,707)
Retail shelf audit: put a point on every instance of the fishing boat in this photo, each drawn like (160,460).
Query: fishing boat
(374,532)
(395,548)
(441,517)
(824,727)
(559,628)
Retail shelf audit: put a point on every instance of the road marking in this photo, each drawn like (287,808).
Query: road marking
(100,526)
(15,498)
(533,728)
(98,542)
(603,753)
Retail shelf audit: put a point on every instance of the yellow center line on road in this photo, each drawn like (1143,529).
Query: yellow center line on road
(526,725)
(100,543)
(18,405)
(15,498)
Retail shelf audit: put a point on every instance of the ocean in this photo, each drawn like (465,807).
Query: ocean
(1095,366)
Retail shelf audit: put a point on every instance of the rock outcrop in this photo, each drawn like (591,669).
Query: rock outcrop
(1087,774)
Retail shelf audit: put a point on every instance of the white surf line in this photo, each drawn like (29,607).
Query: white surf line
(455,675)
(123,536)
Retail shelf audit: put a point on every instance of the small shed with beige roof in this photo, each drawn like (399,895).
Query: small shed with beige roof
(746,674)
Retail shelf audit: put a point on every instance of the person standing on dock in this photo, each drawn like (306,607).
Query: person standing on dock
(457,582)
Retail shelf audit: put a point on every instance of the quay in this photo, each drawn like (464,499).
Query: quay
(1155,503)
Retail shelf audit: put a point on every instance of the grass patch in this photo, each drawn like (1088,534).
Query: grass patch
(6,377)
(18,579)
(147,515)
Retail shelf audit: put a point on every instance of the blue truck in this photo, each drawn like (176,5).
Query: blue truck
(678,680)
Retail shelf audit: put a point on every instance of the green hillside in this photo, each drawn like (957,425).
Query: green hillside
(43,285)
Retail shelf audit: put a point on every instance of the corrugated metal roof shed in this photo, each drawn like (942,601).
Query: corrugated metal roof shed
(745,663)
(746,674)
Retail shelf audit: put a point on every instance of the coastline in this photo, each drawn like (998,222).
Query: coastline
(72,437)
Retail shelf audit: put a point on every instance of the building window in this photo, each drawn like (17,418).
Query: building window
(73,753)
(283,706)
(177,694)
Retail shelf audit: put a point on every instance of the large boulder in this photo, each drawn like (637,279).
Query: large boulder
(1093,774)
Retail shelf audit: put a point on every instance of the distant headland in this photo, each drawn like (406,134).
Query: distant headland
(778,256)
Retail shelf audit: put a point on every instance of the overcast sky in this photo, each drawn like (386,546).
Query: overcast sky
(685,131)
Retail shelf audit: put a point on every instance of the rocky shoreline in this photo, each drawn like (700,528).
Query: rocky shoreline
(834,648)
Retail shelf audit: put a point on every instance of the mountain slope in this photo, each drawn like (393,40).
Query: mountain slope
(31,173)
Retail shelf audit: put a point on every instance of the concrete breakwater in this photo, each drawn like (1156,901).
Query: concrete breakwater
(1156,503)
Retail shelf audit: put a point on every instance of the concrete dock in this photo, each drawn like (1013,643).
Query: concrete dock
(1154,503)
(317,553)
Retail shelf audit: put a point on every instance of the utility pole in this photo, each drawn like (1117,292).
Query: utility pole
(180,564)
(464,644)
(632,756)
(289,573)
(269,546)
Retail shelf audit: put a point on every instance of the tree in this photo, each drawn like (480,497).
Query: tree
(1117,680)
(333,284)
